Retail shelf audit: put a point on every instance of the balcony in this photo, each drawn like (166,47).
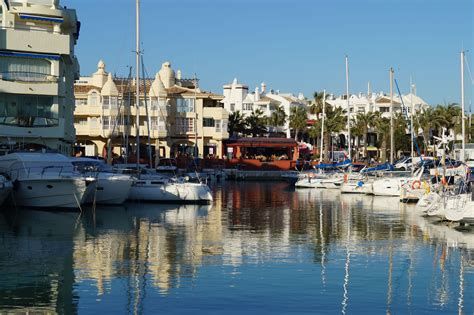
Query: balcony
(35,41)
(28,77)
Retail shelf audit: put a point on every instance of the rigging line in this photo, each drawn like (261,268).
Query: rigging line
(469,71)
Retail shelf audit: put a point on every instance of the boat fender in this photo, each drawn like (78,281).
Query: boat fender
(416,184)
(345,178)
(360,183)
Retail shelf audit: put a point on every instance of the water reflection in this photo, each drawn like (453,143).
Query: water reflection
(262,245)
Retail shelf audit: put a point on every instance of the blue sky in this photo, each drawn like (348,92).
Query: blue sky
(292,45)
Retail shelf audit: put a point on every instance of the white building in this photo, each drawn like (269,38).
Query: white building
(378,102)
(37,72)
(238,98)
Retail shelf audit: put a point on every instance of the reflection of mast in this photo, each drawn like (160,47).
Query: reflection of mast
(461,284)
(348,260)
(323,249)
(390,270)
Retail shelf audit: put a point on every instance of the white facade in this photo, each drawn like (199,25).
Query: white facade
(238,98)
(378,102)
(37,71)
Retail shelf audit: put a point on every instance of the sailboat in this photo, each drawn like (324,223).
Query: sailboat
(148,185)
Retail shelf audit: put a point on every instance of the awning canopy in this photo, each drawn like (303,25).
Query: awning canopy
(28,55)
(42,18)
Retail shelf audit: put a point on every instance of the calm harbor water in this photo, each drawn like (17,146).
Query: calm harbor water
(260,247)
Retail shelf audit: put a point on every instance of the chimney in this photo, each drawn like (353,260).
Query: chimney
(264,87)
(257,94)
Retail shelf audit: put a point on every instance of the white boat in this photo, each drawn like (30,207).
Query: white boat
(152,187)
(391,186)
(44,180)
(5,189)
(357,185)
(110,188)
(312,180)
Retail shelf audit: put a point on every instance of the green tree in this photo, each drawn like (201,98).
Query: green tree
(298,119)
(367,121)
(382,128)
(358,128)
(317,104)
(237,124)
(427,120)
(277,118)
(256,123)
(334,122)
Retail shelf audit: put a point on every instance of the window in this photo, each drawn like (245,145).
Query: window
(232,107)
(218,126)
(81,121)
(157,103)
(361,110)
(105,102)
(93,99)
(248,106)
(28,110)
(184,125)
(106,122)
(81,101)
(384,109)
(184,105)
(208,122)
(25,69)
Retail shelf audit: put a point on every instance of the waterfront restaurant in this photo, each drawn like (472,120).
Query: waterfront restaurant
(262,153)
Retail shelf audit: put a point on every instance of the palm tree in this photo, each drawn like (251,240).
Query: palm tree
(366,120)
(428,120)
(298,119)
(237,124)
(382,127)
(256,123)
(334,122)
(317,103)
(277,118)
(358,128)
(452,117)
(314,132)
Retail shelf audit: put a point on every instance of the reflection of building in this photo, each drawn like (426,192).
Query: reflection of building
(238,98)
(176,114)
(37,71)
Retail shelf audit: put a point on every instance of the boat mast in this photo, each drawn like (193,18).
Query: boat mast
(412,112)
(137,80)
(348,109)
(322,128)
(392,138)
(196,148)
(462,110)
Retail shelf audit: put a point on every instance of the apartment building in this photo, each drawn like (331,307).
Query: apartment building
(174,116)
(238,98)
(37,72)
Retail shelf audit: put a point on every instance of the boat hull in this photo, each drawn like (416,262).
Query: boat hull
(110,189)
(170,192)
(49,193)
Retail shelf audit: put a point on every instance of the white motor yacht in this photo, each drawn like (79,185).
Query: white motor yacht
(44,180)
(153,187)
(110,188)
(5,189)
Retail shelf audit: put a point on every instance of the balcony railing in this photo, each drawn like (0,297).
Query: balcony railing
(30,77)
